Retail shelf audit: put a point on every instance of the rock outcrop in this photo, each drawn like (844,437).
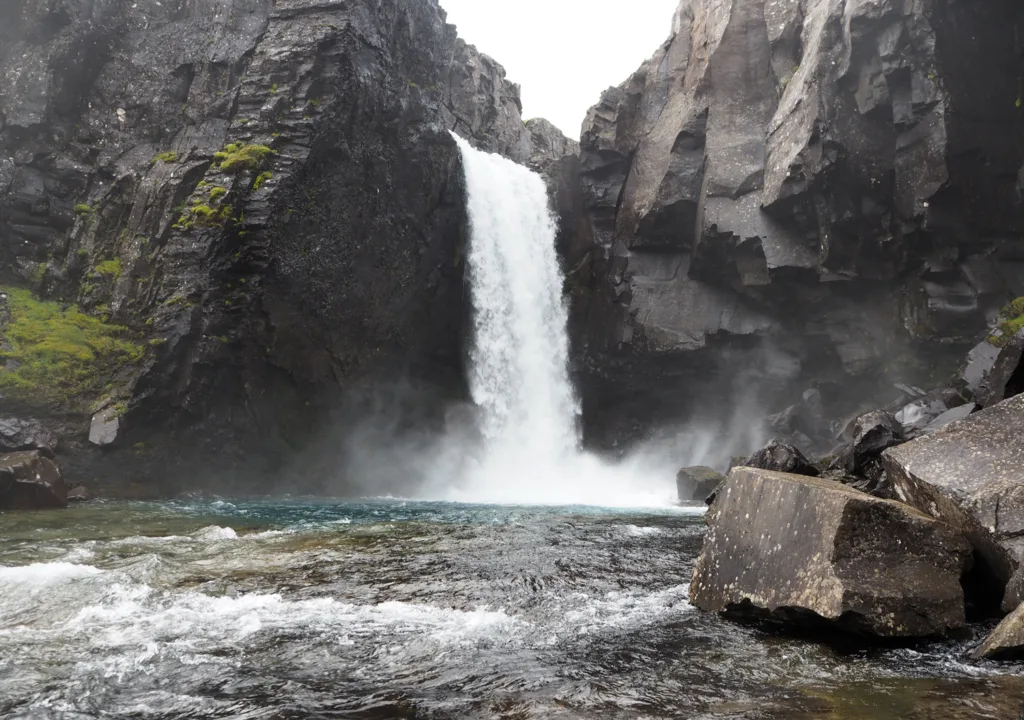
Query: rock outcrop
(261,200)
(1006,642)
(970,475)
(810,551)
(30,481)
(800,193)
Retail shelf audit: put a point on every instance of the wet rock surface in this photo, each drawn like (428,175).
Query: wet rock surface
(970,474)
(265,195)
(824,193)
(808,551)
(30,481)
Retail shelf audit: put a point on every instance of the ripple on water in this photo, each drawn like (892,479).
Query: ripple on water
(377,610)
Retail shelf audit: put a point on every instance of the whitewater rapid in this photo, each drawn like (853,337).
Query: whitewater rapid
(519,362)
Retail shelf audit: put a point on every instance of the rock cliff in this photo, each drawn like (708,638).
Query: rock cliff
(257,209)
(798,193)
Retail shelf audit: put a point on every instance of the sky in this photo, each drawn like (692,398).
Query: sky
(564,53)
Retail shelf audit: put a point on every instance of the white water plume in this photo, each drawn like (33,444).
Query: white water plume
(519,378)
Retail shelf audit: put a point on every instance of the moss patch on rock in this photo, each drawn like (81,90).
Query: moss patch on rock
(235,158)
(1012,317)
(59,355)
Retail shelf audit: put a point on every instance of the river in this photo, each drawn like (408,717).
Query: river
(393,609)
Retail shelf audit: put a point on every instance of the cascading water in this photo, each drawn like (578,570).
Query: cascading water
(519,375)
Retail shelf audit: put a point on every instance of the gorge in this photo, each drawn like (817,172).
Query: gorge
(371,376)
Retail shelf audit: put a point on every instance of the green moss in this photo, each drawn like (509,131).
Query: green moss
(239,158)
(110,268)
(273,89)
(83,209)
(1013,322)
(262,178)
(60,355)
(157,342)
(217,192)
(39,273)
(166,157)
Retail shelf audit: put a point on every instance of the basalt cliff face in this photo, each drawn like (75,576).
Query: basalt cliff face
(796,194)
(250,211)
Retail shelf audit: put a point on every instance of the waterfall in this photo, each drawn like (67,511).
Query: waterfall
(518,366)
(518,375)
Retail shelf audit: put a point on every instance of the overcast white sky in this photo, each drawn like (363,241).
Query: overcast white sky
(564,53)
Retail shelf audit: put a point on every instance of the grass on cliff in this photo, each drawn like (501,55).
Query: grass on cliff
(236,158)
(59,355)
(1012,317)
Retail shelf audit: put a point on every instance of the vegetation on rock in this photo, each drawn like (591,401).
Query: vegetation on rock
(235,158)
(59,354)
(166,157)
(83,209)
(110,268)
(1012,322)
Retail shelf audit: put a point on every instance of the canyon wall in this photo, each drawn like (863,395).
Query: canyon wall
(797,195)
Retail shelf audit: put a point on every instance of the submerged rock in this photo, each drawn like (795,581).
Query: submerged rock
(696,484)
(806,551)
(30,481)
(970,474)
(781,457)
(79,494)
(1006,642)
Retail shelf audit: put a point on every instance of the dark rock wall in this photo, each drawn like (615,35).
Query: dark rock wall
(796,193)
(332,265)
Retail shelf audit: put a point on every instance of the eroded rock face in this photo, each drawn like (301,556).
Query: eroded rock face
(827,184)
(970,474)
(30,481)
(269,294)
(806,550)
(23,434)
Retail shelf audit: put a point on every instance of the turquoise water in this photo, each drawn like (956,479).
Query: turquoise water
(394,609)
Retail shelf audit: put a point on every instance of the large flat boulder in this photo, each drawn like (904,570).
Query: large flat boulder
(807,550)
(1007,641)
(30,481)
(970,474)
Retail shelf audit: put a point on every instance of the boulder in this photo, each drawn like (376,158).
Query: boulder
(806,551)
(781,457)
(30,481)
(104,427)
(23,434)
(696,484)
(1006,642)
(970,474)
(930,412)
